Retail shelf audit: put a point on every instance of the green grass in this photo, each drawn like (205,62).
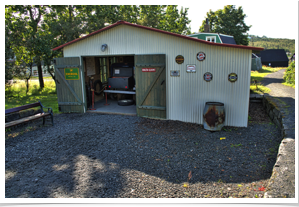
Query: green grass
(258,77)
(288,84)
(15,94)
(289,75)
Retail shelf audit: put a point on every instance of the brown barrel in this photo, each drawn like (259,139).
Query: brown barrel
(213,116)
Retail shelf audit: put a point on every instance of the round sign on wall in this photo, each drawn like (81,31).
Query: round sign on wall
(232,77)
(179,59)
(208,77)
(201,56)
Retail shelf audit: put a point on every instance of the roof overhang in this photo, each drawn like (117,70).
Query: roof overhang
(254,49)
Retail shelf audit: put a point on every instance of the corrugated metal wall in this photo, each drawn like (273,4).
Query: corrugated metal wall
(187,94)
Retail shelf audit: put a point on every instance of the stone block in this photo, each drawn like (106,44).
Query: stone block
(279,116)
(277,122)
(259,96)
(268,109)
(276,112)
(289,133)
(271,114)
(264,101)
(255,101)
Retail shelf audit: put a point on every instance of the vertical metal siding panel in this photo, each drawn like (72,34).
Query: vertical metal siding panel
(239,91)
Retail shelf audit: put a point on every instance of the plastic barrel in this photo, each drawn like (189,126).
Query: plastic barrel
(213,116)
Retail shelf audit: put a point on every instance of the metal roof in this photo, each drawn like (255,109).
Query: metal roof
(227,39)
(161,31)
(274,55)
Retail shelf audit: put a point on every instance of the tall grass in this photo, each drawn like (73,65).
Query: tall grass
(15,94)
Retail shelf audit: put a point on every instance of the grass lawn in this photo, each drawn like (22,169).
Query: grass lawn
(258,76)
(15,94)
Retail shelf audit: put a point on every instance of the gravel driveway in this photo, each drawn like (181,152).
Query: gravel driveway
(95,155)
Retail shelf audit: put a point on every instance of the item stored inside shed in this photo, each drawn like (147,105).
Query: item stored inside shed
(122,76)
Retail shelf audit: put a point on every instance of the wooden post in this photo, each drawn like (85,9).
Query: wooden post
(92,89)
(106,104)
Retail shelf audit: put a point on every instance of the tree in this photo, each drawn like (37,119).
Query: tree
(175,21)
(18,50)
(229,21)
(129,13)
(151,16)
(23,29)
(65,22)
(9,55)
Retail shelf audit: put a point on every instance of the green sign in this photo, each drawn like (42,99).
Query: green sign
(71,73)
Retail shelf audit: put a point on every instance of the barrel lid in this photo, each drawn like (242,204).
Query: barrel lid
(215,103)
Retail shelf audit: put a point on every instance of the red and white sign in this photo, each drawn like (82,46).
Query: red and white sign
(201,56)
(148,69)
(208,77)
(191,68)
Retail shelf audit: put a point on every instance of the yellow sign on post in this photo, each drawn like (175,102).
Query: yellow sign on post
(71,73)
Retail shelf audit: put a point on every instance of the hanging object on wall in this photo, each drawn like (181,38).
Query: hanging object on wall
(201,56)
(71,73)
(191,68)
(232,77)
(148,69)
(208,76)
(179,59)
(174,73)
(103,47)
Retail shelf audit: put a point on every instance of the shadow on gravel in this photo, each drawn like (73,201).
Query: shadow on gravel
(93,155)
(266,81)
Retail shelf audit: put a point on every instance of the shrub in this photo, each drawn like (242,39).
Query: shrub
(289,76)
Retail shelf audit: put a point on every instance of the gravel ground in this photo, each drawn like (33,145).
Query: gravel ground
(95,155)
(273,81)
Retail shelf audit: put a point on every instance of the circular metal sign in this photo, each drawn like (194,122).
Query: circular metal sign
(232,77)
(208,77)
(201,56)
(179,59)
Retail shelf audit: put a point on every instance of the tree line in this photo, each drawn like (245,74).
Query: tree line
(273,43)
(31,31)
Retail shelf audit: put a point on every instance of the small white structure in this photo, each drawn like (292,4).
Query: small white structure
(196,71)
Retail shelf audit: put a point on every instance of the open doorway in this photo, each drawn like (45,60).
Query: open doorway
(116,71)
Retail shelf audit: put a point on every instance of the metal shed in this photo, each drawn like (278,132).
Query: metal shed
(175,74)
(274,58)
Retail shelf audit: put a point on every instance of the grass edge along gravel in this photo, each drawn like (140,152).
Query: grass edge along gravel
(256,78)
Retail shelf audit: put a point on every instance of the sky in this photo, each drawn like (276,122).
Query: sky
(276,19)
